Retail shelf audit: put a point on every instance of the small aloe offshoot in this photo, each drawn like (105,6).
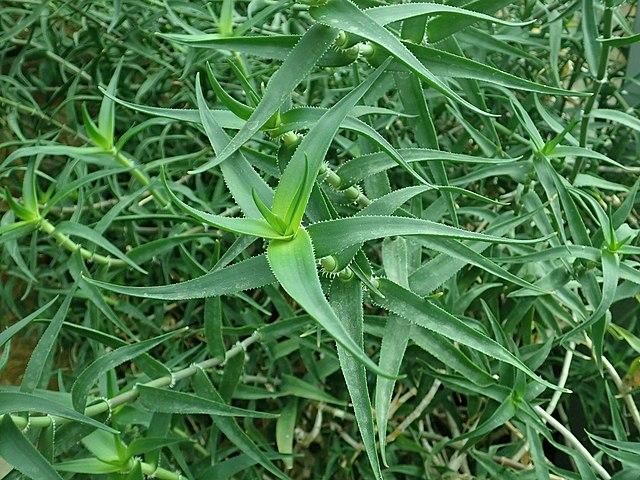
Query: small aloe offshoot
(290,224)
(33,218)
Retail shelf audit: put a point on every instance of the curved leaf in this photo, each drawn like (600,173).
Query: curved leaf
(294,266)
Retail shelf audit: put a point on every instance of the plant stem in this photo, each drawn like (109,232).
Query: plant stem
(553,403)
(131,395)
(139,175)
(152,471)
(36,113)
(624,392)
(570,437)
(601,79)
(424,403)
(72,246)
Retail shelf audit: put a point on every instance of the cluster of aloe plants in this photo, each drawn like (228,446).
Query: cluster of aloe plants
(276,239)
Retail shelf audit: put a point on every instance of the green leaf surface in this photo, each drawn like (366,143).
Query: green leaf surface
(16,450)
(294,266)
(11,402)
(346,301)
(86,379)
(347,16)
(169,401)
(295,67)
(427,314)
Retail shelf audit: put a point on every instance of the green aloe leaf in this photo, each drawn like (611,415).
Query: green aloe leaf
(239,109)
(395,337)
(364,166)
(294,266)
(285,427)
(427,314)
(12,402)
(248,274)
(393,13)
(238,174)
(299,177)
(16,450)
(620,41)
(590,36)
(347,16)
(459,250)
(445,64)
(334,235)
(8,333)
(610,275)
(90,466)
(539,461)
(445,25)
(294,69)
(35,370)
(498,417)
(106,117)
(86,379)
(275,47)
(82,153)
(229,426)
(168,401)
(245,226)
(94,132)
(622,118)
(24,22)
(346,301)
(447,352)
(82,231)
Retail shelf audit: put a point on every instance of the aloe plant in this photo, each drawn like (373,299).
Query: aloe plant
(316,239)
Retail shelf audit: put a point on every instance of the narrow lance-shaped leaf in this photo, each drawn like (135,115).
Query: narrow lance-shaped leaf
(539,461)
(106,117)
(392,13)
(450,65)
(497,418)
(93,132)
(12,330)
(311,152)
(294,266)
(346,300)
(16,450)
(334,235)
(293,70)
(44,349)
(620,41)
(590,35)
(239,109)
(395,337)
(427,314)
(12,402)
(240,177)
(285,427)
(231,429)
(213,327)
(86,379)
(169,401)
(364,166)
(445,25)
(347,16)
(82,231)
(256,227)
(622,118)
(245,275)
(610,274)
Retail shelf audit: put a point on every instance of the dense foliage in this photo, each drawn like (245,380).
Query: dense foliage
(324,239)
